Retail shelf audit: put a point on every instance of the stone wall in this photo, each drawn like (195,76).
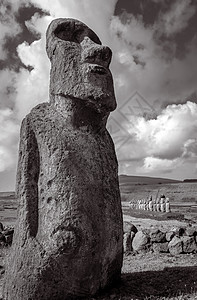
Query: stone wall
(176,240)
(6,235)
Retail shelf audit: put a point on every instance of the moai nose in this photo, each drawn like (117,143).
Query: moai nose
(95,53)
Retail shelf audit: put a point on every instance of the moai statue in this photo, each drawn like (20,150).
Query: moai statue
(162,205)
(167,204)
(150,205)
(68,239)
(162,201)
(158,205)
(154,205)
(143,204)
(139,204)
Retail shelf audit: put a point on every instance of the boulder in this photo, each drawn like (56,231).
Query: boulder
(8,239)
(160,247)
(128,227)
(189,244)
(169,235)
(175,245)
(8,231)
(157,236)
(178,231)
(2,237)
(140,242)
(190,231)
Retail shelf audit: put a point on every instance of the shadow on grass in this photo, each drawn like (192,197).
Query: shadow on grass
(146,285)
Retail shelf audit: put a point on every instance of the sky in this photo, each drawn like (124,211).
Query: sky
(154,66)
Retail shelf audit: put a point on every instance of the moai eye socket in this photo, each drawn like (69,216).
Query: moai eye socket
(73,32)
(63,35)
(64,31)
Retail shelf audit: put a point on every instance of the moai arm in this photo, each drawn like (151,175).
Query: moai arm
(27,178)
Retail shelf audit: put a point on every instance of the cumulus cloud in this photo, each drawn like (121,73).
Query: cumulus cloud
(8,139)
(164,143)
(143,63)
(32,86)
(152,164)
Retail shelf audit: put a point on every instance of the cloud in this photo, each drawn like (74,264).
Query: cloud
(164,143)
(9,26)
(7,89)
(145,63)
(8,139)
(190,150)
(32,86)
(98,18)
(152,164)
(177,17)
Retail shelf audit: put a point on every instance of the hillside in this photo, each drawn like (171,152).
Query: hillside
(143,180)
(7,195)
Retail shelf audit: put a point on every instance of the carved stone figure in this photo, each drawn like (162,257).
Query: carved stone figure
(68,237)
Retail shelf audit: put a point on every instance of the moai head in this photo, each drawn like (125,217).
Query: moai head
(79,65)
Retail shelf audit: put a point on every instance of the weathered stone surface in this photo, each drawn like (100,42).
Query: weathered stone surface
(68,237)
(178,231)
(127,242)
(128,227)
(175,245)
(190,231)
(169,235)
(1,227)
(189,244)
(2,237)
(8,239)
(140,241)
(132,234)
(157,236)
(160,247)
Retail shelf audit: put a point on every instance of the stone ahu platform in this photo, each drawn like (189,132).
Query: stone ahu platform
(173,239)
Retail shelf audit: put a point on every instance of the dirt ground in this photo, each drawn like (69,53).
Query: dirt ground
(150,276)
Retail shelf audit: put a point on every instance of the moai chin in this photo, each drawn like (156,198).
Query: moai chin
(68,237)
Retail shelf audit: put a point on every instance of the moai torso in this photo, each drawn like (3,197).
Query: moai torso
(68,238)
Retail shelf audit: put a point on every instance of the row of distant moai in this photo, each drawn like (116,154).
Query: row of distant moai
(161,204)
